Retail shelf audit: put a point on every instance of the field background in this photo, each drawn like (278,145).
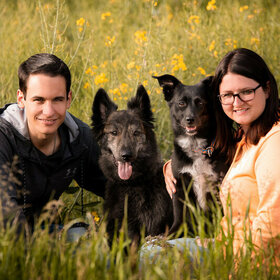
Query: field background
(118,44)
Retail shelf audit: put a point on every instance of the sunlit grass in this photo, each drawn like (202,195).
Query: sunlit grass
(117,44)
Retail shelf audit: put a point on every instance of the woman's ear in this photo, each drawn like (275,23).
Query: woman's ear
(20,99)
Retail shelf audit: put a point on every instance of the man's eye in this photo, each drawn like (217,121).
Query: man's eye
(114,133)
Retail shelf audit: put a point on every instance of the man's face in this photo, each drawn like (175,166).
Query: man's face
(45,104)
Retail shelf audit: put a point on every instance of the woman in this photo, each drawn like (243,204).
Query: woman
(246,103)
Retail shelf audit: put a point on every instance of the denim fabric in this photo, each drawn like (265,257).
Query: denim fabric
(150,250)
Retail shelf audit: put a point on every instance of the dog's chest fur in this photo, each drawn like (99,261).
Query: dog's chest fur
(201,169)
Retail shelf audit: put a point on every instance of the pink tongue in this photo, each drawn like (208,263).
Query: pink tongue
(124,170)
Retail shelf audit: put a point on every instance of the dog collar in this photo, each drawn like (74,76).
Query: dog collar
(209,150)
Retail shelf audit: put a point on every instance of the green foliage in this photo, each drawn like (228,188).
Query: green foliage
(117,44)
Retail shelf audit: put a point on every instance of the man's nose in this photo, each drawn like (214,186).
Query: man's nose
(48,108)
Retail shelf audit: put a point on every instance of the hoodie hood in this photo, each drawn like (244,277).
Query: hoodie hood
(17,118)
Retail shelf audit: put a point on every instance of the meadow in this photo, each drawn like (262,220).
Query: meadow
(118,44)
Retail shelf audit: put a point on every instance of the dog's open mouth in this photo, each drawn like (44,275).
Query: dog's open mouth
(191,129)
(124,170)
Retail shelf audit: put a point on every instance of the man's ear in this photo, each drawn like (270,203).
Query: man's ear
(69,100)
(20,99)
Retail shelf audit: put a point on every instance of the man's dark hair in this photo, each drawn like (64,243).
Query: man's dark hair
(43,63)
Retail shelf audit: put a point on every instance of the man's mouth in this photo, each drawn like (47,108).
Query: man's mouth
(47,121)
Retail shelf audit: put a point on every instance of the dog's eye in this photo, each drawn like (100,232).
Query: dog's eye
(182,104)
(136,133)
(114,133)
(198,102)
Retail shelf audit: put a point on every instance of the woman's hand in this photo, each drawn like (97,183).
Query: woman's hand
(170,181)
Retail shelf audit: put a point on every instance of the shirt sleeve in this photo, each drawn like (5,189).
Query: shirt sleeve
(92,178)
(10,208)
(266,225)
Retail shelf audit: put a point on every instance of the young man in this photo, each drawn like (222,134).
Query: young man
(42,146)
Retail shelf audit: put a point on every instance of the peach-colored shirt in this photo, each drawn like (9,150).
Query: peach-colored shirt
(253,185)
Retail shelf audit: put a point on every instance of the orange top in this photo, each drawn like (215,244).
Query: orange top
(252,185)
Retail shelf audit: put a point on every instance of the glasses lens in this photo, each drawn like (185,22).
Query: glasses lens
(247,95)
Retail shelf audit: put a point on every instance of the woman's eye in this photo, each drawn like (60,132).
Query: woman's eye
(114,133)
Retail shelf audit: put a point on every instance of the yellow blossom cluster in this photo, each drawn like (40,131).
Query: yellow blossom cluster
(110,41)
(120,92)
(211,48)
(255,41)
(105,15)
(80,24)
(231,43)
(211,5)
(140,37)
(100,79)
(178,63)
(243,8)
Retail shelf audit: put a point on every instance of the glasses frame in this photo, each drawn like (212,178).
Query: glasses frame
(237,95)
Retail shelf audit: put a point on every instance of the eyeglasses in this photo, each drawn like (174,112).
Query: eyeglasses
(244,95)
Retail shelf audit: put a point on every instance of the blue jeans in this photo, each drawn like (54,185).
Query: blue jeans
(151,251)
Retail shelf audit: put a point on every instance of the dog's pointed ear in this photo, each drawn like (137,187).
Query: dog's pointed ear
(141,104)
(208,80)
(102,107)
(168,84)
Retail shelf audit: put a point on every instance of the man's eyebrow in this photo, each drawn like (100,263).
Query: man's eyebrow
(37,97)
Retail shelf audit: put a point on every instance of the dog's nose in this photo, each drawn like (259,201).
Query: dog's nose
(126,156)
(190,120)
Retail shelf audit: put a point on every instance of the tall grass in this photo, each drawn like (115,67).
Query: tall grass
(117,44)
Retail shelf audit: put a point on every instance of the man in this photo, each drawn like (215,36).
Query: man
(42,146)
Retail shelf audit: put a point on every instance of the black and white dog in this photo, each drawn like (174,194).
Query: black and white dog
(195,163)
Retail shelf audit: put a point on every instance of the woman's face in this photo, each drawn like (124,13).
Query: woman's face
(243,113)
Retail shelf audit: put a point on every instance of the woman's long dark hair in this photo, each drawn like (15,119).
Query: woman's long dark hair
(249,64)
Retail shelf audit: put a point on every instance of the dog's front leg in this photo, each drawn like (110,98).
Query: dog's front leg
(178,199)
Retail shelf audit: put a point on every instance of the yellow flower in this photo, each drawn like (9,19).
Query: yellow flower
(100,79)
(250,16)
(155,3)
(193,19)
(211,6)
(145,83)
(86,85)
(211,46)
(95,216)
(201,70)
(140,37)
(243,8)
(178,62)
(123,87)
(110,41)
(130,65)
(138,67)
(115,91)
(105,15)
(89,71)
(255,41)
(80,22)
